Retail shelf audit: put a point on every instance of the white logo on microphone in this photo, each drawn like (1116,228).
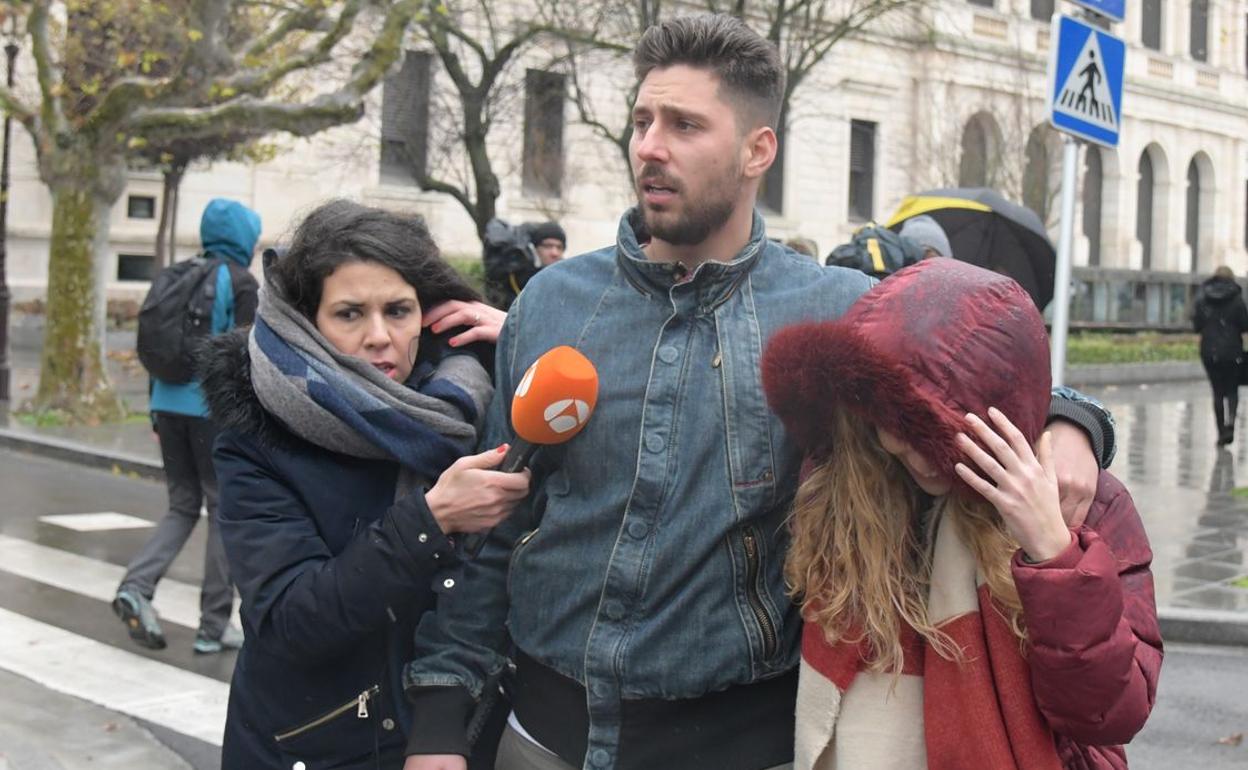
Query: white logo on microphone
(561,418)
(523,389)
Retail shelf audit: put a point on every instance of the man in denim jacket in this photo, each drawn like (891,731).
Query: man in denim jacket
(640,591)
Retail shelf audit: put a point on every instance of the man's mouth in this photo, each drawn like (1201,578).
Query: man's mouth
(656,192)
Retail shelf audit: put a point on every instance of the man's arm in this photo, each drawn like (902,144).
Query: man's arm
(1083,443)
(461,647)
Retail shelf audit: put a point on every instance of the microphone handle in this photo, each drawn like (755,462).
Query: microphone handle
(517,459)
(518,456)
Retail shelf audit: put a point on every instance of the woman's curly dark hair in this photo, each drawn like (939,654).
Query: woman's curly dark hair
(343,231)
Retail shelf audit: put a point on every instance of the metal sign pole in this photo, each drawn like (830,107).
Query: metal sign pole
(1061,279)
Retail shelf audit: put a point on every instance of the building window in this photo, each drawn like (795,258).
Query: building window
(135,267)
(1036,173)
(1151,30)
(973,170)
(1144,210)
(984,3)
(544,95)
(405,119)
(1192,230)
(1042,9)
(861,170)
(1093,183)
(141,207)
(1200,30)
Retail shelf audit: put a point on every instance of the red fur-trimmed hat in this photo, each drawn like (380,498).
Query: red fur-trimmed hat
(913,355)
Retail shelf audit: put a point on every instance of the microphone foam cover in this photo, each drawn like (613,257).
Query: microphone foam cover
(555,397)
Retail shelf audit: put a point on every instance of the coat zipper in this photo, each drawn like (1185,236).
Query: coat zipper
(751,594)
(359,703)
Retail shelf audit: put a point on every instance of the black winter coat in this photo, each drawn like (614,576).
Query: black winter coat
(334,575)
(1221,318)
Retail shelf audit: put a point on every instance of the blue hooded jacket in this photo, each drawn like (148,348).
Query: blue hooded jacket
(228,230)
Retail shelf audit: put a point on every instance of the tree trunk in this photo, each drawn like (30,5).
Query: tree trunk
(72,377)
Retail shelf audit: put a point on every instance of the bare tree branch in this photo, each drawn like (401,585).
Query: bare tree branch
(253,81)
(49,78)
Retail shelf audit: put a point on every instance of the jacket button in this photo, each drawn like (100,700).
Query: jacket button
(614,609)
(668,354)
(637,529)
(423,538)
(448,583)
(655,443)
(299,766)
(600,757)
(387,724)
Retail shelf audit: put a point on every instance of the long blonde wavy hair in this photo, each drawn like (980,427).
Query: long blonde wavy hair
(860,565)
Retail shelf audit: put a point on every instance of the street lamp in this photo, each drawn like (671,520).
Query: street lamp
(10,54)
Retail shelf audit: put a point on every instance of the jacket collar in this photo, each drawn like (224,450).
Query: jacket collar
(715,281)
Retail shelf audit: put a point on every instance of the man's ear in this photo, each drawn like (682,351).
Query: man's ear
(760,151)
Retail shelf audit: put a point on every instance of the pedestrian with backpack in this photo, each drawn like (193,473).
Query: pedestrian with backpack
(188,302)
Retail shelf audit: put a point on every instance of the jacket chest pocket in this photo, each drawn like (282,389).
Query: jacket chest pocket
(748,423)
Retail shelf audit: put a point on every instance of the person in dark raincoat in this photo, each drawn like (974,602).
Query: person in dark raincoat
(1221,318)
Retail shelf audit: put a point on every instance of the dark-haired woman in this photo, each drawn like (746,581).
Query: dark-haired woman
(342,479)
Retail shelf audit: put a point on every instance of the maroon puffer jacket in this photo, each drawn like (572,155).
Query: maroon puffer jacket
(1095,648)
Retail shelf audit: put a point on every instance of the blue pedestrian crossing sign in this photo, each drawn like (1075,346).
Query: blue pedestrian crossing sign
(1113,9)
(1085,81)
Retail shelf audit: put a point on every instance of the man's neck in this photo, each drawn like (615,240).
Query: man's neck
(723,245)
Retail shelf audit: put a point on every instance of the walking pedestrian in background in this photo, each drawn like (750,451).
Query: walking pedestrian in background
(228,231)
(1221,318)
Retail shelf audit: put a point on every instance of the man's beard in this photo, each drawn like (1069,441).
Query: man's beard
(700,218)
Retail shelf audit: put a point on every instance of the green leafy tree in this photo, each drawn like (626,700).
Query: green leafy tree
(117,76)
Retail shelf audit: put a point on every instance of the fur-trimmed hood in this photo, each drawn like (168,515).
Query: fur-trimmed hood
(913,356)
(224,369)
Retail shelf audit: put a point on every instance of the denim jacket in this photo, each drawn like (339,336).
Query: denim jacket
(647,562)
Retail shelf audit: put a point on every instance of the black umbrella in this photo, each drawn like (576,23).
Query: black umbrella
(987,230)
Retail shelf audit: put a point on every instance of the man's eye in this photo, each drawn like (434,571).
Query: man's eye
(685,125)
(640,124)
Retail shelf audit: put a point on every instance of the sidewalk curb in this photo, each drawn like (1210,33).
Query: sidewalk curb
(72,451)
(1200,626)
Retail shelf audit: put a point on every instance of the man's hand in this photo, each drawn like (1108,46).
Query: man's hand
(1077,470)
(435,762)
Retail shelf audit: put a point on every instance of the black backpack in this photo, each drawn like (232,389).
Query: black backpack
(176,316)
(509,261)
(876,251)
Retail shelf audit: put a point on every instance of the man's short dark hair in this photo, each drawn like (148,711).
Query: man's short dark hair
(750,72)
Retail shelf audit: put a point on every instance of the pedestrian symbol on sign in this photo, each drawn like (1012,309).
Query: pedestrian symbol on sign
(1085,93)
(1085,81)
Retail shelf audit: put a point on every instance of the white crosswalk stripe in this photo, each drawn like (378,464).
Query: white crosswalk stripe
(123,681)
(157,692)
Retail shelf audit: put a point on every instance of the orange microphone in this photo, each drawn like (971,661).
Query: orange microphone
(553,401)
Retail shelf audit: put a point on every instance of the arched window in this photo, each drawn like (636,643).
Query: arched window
(1036,173)
(973,171)
(1042,9)
(1192,230)
(1093,182)
(1144,209)
(1151,30)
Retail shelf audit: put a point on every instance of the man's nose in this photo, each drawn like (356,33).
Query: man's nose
(652,146)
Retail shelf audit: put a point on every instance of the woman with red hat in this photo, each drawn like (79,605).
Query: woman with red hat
(953,620)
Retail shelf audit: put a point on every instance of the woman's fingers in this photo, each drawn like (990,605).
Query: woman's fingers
(977,483)
(1000,449)
(986,462)
(1015,437)
(442,311)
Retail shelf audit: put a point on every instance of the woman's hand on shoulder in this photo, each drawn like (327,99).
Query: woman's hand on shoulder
(1020,484)
(470,496)
(435,762)
(484,321)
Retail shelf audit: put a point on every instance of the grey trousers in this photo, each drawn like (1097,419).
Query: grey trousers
(516,753)
(186,450)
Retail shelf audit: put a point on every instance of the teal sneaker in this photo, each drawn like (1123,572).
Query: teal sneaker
(136,612)
(231,639)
